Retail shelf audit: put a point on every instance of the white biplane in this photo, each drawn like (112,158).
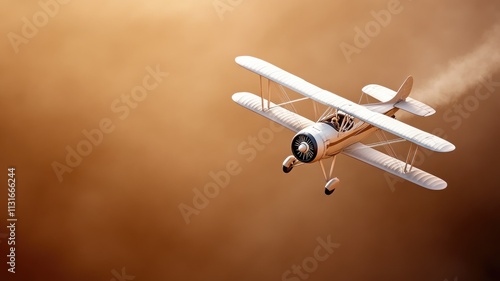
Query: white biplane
(344,124)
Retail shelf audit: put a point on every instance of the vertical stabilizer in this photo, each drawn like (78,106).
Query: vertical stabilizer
(404,90)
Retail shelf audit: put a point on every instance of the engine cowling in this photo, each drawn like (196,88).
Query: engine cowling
(310,144)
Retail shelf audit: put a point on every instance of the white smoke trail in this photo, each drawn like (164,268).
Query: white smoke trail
(464,72)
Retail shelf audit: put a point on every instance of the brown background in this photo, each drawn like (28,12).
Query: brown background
(120,207)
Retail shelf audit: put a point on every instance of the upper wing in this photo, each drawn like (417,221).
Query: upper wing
(381,121)
(394,166)
(276,113)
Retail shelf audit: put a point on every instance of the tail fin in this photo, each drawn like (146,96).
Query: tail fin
(404,90)
(402,101)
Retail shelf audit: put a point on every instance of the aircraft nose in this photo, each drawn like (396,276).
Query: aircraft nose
(303,147)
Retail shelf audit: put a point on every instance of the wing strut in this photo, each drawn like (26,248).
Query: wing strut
(261,93)
(282,95)
(389,149)
(408,158)
(408,165)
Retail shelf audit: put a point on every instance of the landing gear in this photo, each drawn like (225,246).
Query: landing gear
(288,164)
(331,183)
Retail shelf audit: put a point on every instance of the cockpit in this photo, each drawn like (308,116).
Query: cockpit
(339,121)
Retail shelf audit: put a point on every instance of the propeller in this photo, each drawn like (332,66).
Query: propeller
(304,147)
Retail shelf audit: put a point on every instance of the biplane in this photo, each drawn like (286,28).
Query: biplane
(344,124)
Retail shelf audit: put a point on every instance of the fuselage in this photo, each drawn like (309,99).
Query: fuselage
(359,131)
(328,137)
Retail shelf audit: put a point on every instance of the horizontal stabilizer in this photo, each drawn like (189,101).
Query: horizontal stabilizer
(415,107)
(394,166)
(276,113)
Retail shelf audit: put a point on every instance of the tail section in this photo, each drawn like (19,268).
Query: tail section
(400,98)
(404,91)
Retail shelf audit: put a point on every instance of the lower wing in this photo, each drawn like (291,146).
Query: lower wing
(394,166)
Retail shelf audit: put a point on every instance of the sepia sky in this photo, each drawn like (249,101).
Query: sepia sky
(117,115)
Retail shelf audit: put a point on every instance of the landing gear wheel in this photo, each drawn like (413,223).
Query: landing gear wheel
(288,164)
(287,170)
(331,185)
(329,192)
